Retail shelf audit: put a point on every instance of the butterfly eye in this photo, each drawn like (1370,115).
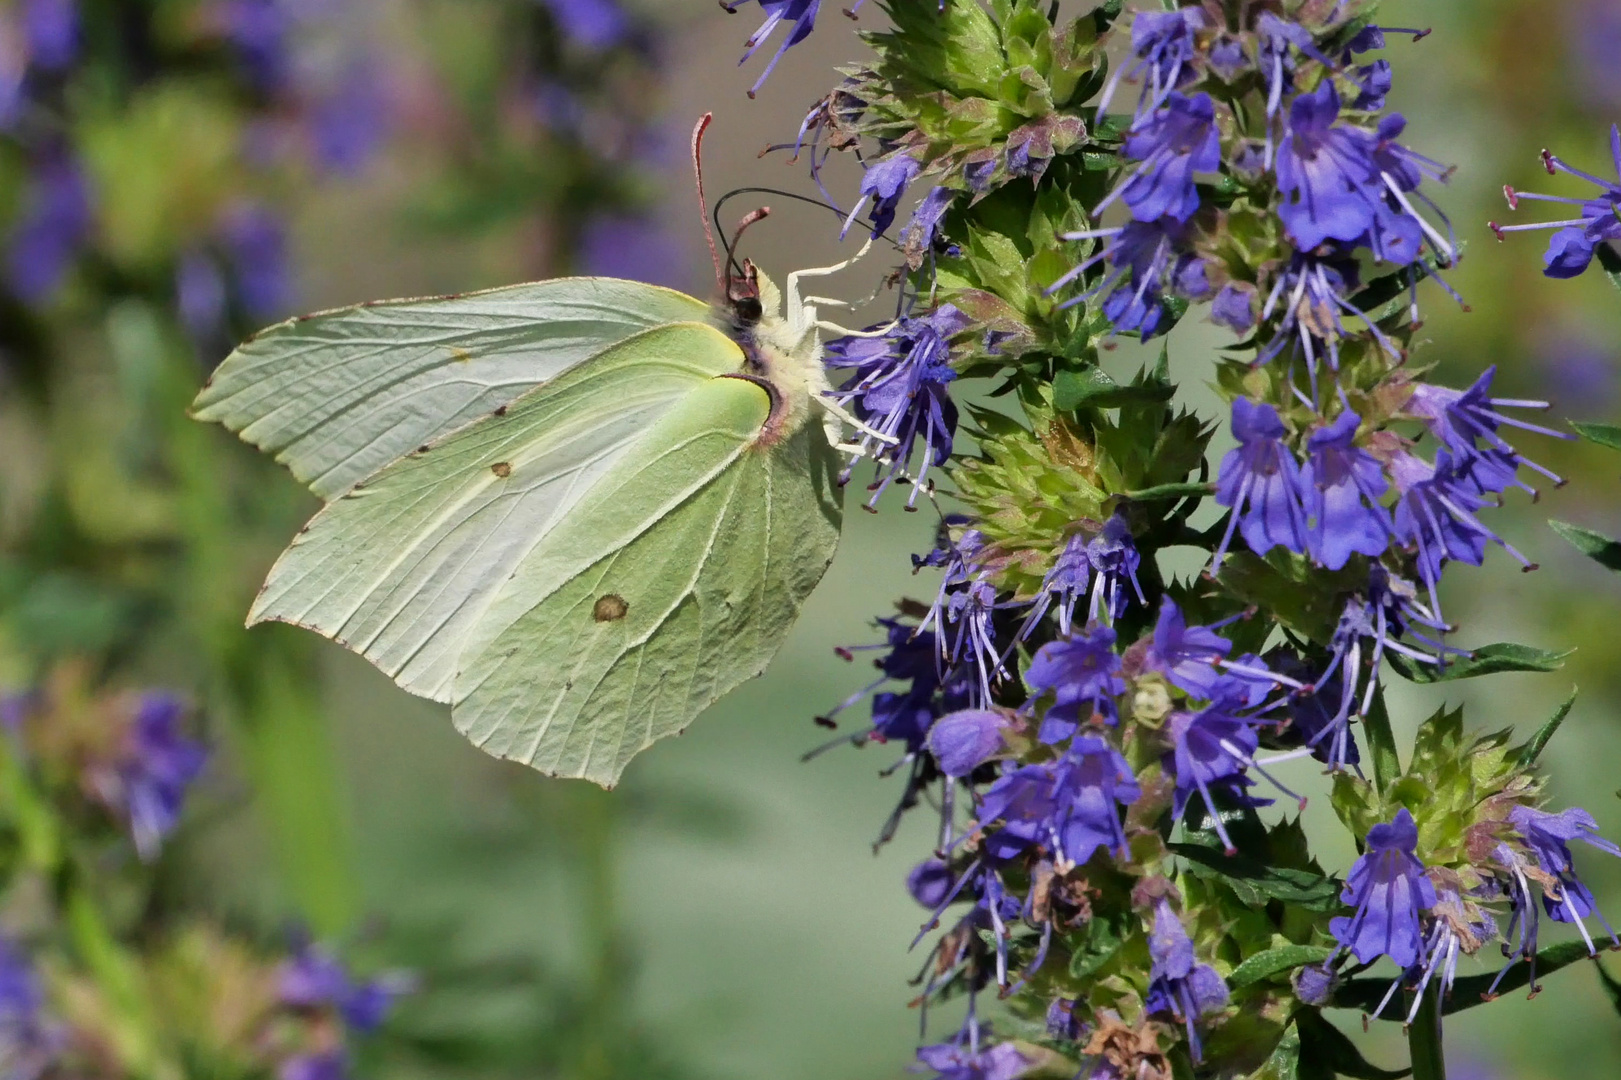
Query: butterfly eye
(747,310)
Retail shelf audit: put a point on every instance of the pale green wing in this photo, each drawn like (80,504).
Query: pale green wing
(401,567)
(674,582)
(337,396)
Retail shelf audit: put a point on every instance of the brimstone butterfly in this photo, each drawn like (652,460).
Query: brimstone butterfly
(579,511)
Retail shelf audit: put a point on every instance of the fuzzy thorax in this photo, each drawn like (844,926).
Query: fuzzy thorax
(783,349)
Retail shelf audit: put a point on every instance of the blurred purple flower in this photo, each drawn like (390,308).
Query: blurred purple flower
(314,979)
(598,25)
(1595,38)
(633,247)
(157,765)
(258,30)
(953,1061)
(200,295)
(55,224)
(28,1043)
(255,238)
(962,741)
(51,28)
(799,14)
(320,1065)
(350,122)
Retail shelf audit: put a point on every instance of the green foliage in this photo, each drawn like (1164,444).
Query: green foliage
(1486,660)
(1528,754)
(1596,546)
(1607,435)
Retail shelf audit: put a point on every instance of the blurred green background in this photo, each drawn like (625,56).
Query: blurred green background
(721,914)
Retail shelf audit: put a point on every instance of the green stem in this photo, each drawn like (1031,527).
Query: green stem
(595,823)
(1424,1039)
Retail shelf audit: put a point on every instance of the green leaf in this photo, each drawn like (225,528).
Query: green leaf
(1284,1064)
(1609,261)
(1604,434)
(1266,964)
(1091,387)
(1101,940)
(1326,1052)
(1256,883)
(1365,993)
(1486,660)
(1381,743)
(1533,749)
(1596,546)
(1612,985)
(1162,492)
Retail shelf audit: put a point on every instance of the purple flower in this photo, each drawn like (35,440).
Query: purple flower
(1376,80)
(1315,984)
(1179,984)
(1148,262)
(1227,57)
(256,240)
(625,246)
(314,979)
(598,25)
(51,28)
(1186,655)
(1277,36)
(962,741)
(1173,142)
(1463,419)
(1212,748)
(799,14)
(1435,512)
(930,883)
(1455,925)
(1325,173)
(885,182)
(156,765)
(1062,1023)
(28,1042)
(1547,837)
(1093,782)
(899,391)
(1342,486)
(1311,293)
(1572,248)
(1234,307)
(918,236)
(1114,558)
(200,296)
(1017,811)
(1595,38)
(1261,482)
(1164,48)
(258,29)
(54,225)
(953,1061)
(349,123)
(1083,674)
(905,717)
(1389,889)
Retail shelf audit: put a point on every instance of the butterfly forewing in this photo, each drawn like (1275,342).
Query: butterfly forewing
(677,579)
(401,568)
(339,395)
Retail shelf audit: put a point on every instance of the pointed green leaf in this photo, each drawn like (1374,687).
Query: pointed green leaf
(1486,660)
(1381,743)
(1284,1064)
(1163,492)
(1249,878)
(1364,994)
(1603,434)
(1266,964)
(1326,1052)
(1612,985)
(1596,546)
(1609,261)
(1091,387)
(1533,749)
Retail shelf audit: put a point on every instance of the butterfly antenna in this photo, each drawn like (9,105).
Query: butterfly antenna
(779,193)
(748,219)
(703,205)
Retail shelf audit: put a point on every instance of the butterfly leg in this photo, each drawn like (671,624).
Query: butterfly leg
(800,320)
(841,331)
(843,414)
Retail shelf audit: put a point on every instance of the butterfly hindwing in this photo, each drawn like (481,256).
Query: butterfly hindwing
(400,568)
(674,582)
(338,395)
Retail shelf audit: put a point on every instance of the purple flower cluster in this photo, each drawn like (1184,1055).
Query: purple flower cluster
(146,779)
(314,981)
(897,389)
